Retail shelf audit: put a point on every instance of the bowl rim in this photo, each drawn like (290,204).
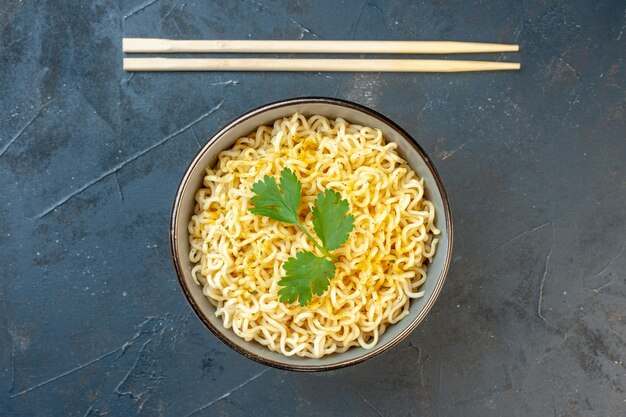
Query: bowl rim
(367,354)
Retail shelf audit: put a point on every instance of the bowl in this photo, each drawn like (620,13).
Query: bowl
(184,203)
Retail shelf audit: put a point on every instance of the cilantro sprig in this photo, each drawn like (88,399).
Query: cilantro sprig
(306,273)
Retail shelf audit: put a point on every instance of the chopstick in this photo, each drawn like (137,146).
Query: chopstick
(154,45)
(318,65)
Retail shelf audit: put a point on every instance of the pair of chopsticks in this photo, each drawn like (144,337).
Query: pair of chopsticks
(148,45)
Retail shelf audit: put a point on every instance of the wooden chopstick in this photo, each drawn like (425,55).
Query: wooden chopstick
(150,45)
(318,65)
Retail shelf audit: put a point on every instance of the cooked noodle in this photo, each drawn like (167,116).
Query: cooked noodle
(238,256)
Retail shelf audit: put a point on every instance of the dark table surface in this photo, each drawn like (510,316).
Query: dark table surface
(532,319)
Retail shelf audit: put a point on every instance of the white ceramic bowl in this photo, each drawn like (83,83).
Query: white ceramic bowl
(184,204)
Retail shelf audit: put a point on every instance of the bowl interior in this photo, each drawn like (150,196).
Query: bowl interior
(192,181)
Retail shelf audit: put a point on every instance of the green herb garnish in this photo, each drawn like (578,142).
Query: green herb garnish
(330,222)
(306,273)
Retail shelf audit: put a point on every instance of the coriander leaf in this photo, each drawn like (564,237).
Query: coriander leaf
(281,205)
(305,275)
(330,222)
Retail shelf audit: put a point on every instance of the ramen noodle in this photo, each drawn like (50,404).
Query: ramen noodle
(239,256)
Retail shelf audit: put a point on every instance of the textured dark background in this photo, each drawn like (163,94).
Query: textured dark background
(531,321)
